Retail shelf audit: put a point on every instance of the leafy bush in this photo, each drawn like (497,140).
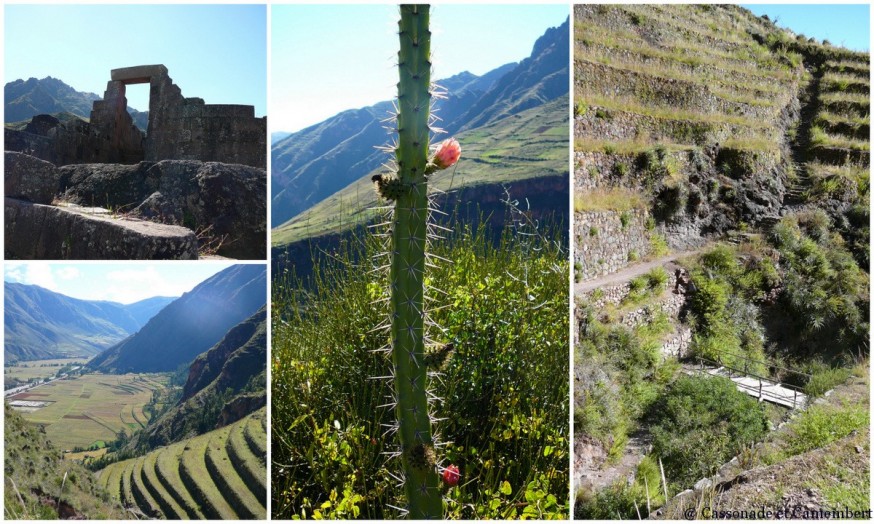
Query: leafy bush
(699,423)
(505,414)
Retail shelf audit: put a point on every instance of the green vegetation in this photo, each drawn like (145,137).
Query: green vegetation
(36,476)
(101,406)
(785,297)
(616,199)
(500,406)
(702,422)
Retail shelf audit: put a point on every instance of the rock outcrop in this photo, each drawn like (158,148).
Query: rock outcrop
(36,231)
(226,203)
(29,178)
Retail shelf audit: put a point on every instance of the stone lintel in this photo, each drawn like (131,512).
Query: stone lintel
(138,74)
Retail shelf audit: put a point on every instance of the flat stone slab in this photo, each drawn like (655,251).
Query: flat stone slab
(138,74)
(40,232)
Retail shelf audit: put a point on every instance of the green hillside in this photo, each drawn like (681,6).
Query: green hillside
(40,484)
(524,146)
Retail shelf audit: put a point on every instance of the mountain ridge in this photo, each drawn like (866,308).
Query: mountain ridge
(189,325)
(41,323)
(304,175)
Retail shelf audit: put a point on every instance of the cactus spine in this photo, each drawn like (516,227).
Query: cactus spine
(408,238)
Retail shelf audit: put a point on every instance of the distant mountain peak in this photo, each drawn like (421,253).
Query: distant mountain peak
(312,164)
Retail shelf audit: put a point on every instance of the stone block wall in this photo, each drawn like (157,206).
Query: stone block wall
(604,245)
(179,128)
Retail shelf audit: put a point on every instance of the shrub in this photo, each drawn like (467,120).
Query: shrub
(625,219)
(699,423)
(505,414)
(657,278)
(658,245)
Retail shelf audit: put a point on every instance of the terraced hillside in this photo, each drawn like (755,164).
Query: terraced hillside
(218,475)
(721,220)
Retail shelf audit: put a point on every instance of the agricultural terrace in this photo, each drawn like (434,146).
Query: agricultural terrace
(90,410)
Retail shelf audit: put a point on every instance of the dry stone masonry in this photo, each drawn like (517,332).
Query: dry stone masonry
(179,128)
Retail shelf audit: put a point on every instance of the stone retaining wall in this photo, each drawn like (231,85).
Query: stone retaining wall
(606,241)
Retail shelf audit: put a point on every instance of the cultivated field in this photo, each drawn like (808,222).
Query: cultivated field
(83,411)
(218,475)
(29,370)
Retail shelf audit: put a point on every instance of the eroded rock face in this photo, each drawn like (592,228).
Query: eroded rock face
(29,178)
(35,231)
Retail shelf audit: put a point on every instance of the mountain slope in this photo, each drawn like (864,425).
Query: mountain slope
(531,145)
(24,99)
(191,324)
(44,324)
(224,385)
(541,77)
(313,164)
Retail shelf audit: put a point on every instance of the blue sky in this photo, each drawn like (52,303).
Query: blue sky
(847,25)
(214,52)
(125,282)
(329,58)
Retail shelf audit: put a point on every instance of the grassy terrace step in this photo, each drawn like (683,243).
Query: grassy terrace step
(667,112)
(256,435)
(228,481)
(127,497)
(861,69)
(612,82)
(625,147)
(158,491)
(841,82)
(167,471)
(110,478)
(690,23)
(737,88)
(590,46)
(194,473)
(846,103)
(836,124)
(699,129)
(143,498)
(819,138)
(837,156)
(250,467)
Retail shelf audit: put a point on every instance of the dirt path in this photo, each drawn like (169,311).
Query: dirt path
(630,272)
(595,479)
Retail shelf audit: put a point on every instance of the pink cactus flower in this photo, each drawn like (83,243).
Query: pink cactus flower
(451,475)
(447,154)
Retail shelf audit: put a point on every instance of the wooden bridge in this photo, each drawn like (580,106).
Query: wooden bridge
(764,389)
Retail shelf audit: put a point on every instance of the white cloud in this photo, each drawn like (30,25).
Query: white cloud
(67,273)
(131,285)
(32,274)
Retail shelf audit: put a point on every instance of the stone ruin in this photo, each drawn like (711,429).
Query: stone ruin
(179,128)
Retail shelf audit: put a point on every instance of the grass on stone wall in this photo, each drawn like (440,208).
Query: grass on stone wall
(613,199)
(819,138)
(665,112)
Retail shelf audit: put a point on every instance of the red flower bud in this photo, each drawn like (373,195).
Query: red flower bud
(447,154)
(451,475)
